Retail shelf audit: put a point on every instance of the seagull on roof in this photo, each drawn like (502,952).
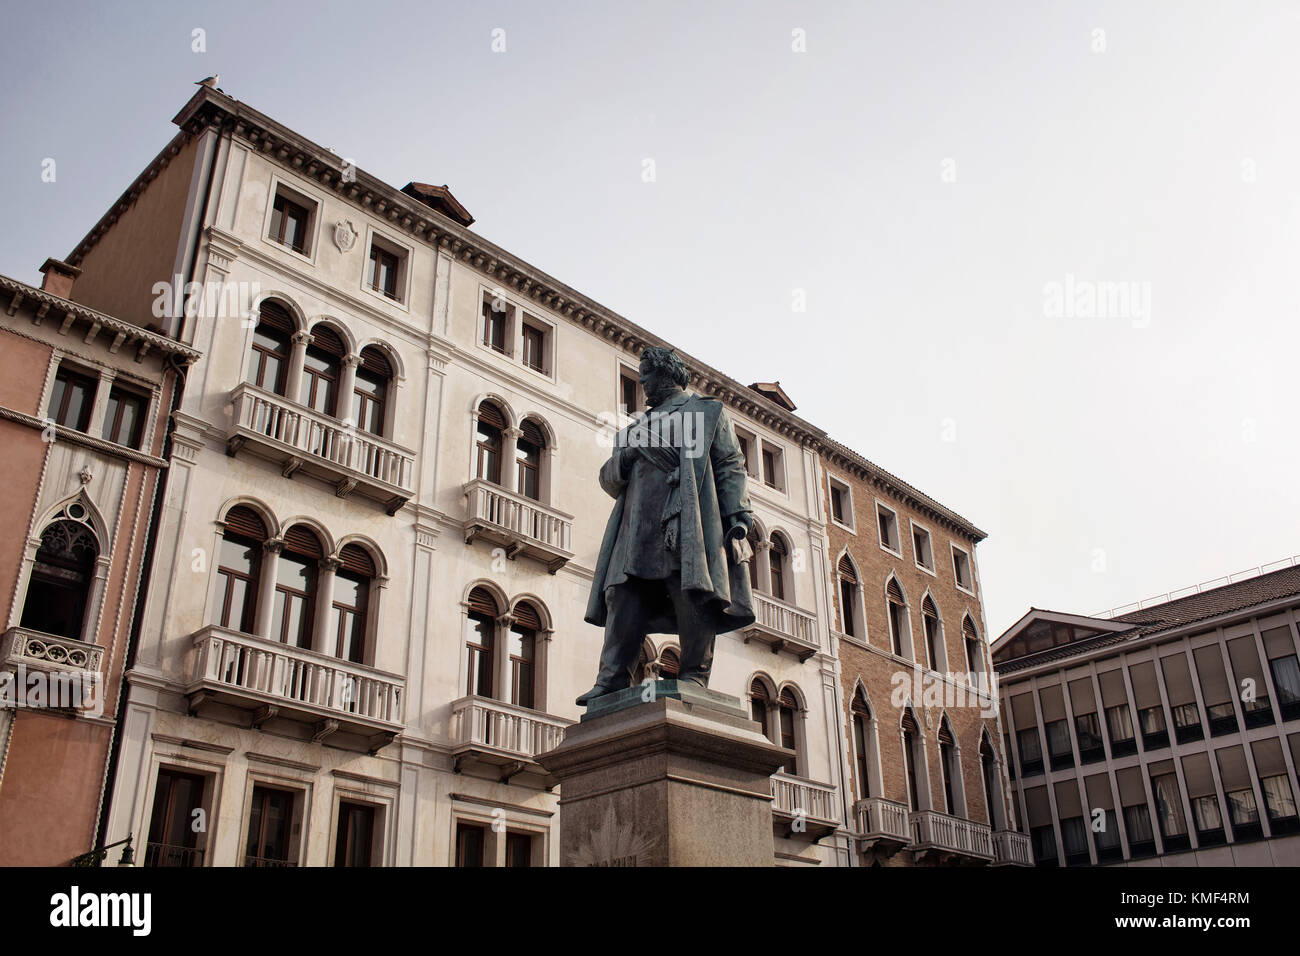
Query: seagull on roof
(209,81)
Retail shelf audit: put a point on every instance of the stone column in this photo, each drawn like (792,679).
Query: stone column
(322,641)
(501,658)
(99,404)
(347,384)
(266,587)
(297,356)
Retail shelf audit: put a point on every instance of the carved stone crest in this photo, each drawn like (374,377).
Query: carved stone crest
(345,237)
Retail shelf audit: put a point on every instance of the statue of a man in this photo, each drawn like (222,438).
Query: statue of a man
(673,557)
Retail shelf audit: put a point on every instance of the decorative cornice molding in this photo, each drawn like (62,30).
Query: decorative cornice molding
(81,438)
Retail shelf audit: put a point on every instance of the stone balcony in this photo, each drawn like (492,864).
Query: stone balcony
(783,628)
(950,839)
(883,825)
(503,739)
(299,439)
(518,524)
(1011,848)
(339,703)
(802,808)
(38,651)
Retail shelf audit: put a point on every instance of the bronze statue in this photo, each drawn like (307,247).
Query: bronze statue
(674,553)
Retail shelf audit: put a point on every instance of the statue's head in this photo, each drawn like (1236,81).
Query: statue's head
(662,373)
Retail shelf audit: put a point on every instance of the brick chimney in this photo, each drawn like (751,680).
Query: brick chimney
(59,277)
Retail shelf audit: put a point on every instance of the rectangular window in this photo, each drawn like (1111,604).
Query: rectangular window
(1141,839)
(961,569)
(173,840)
(773,467)
(837,504)
(1031,752)
(353,844)
(480,650)
(270,823)
(291,223)
(897,626)
(841,504)
(471,841)
(1286,678)
(385,271)
(496,324)
(1223,719)
(125,417)
(1074,837)
(522,653)
(629,393)
(1187,723)
(1169,811)
(1044,841)
(1088,730)
(1278,799)
(888,522)
(1209,822)
(72,399)
(1152,722)
(1107,838)
(1058,744)
(535,348)
(921,548)
(519,848)
(1244,814)
(1119,721)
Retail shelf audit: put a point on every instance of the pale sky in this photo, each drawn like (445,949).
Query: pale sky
(920,173)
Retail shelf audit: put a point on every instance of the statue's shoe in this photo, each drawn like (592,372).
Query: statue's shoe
(600,690)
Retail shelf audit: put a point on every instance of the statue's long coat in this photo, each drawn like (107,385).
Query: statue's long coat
(710,490)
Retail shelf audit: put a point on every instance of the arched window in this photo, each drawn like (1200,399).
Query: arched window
(850,594)
(896,606)
(933,640)
(239,568)
(58,592)
(370,392)
(861,712)
(670,664)
(491,425)
(350,607)
(950,769)
(523,654)
(759,701)
(776,562)
(989,768)
(787,709)
(913,760)
(483,613)
(974,659)
(295,587)
(268,366)
(530,447)
(320,370)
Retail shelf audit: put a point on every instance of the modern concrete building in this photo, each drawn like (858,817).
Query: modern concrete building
(928,775)
(84,403)
(1165,733)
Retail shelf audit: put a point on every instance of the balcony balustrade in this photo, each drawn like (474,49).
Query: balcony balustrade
(803,808)
(278,681)
(952,838)
(519,524)
(883,825)
(300,439)
(505,738)
(1011,848)
(38,651)
(782,627)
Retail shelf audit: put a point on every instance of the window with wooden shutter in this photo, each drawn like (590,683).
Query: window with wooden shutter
(370,391)
(357,560)
(481,601)
(245,522)
(491,424)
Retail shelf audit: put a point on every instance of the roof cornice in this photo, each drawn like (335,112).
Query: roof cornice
(124,333)
(210,109)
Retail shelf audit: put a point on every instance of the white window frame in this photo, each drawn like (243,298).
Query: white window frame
(782,486)
(550,351)
(850,522)
(929,536)
(754,460)
(302,197)
(898,529)
(622,368)
(405,257)
(356,791)
(953,550)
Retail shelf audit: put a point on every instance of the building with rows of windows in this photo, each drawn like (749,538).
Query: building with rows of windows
(1165,734)
(371,563)
(84,400)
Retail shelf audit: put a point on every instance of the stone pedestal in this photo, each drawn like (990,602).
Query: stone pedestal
(665,775)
